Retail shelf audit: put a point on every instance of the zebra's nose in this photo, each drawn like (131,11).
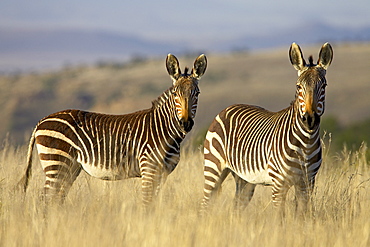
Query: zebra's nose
(187,124)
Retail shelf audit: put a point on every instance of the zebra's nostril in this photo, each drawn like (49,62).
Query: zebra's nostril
(187,125)
(311,120)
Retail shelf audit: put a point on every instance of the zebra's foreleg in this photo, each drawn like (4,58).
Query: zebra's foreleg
(303,193)
(243,192)
(151,178)
(279,193)
(147,188)
(160,180)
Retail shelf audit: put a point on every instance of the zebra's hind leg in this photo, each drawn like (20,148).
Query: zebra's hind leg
(60,176)
(212,184)
(243,192)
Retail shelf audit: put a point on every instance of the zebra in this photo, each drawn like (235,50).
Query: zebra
(281,149)
(142,144)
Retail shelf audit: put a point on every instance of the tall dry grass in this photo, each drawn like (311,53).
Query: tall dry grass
(100,213)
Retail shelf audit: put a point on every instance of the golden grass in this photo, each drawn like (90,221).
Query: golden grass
(100,213)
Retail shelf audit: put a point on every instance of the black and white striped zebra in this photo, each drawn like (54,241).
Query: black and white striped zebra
(142,144)
(281,149)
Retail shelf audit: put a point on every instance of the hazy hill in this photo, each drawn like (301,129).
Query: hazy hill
(263,78)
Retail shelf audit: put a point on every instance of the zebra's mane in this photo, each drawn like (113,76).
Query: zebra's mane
(310,60)
(162,98)
(166,94)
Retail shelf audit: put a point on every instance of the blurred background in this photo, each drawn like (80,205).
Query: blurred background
(108,56)
(49,34)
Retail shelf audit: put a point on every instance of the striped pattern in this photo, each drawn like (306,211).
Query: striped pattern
(281,149)
(143,144)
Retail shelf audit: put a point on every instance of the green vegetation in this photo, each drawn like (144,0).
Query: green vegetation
(352,137)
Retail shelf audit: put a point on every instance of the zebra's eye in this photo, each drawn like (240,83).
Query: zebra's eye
(175,94)
(299,87)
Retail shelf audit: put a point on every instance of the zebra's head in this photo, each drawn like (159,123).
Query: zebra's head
(185,88)
(311,83)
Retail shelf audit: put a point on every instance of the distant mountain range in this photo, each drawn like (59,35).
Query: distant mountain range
(309,34)
(25,50)
(48,49)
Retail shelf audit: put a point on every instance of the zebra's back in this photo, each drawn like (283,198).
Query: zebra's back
(102,144)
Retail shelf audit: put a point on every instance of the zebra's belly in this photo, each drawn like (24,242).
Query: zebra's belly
(115,173)
(256,177)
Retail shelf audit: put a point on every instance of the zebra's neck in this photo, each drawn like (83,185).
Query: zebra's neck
(301,136)
(164,108)
(162,99)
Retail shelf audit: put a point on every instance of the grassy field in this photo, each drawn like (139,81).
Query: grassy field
(100,213)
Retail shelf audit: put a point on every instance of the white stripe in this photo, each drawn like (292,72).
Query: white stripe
(57,135)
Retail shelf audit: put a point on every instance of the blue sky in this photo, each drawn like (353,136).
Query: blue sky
(185,21)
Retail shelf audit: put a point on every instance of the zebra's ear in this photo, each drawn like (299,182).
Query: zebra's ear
(296,57)
(200,66)
(325,56)
(173,67)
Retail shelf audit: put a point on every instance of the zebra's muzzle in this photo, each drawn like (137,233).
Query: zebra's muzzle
(187,125)
(311,120)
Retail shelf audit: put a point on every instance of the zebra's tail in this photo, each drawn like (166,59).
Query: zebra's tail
(23,183)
